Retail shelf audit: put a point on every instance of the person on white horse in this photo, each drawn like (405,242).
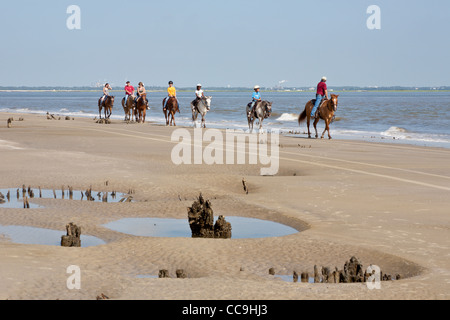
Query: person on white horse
(256,97)
(199,95)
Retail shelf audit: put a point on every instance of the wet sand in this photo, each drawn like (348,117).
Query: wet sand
(383,203)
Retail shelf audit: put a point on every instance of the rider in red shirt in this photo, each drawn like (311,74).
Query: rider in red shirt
(129,91)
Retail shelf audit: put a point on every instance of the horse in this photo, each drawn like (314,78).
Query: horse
(202,108)
(326,113)
(129,107)
(141,108)
(108,104)
(170,110)
(263,110)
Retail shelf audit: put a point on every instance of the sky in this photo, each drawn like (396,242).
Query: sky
(238,43)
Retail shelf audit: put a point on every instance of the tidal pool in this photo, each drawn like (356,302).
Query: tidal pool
(16,197)
(290,278)
(242,228)
(39,236)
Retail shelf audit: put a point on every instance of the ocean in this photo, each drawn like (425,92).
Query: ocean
(418,118)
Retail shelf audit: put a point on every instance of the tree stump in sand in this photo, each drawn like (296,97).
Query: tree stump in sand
(9,122)
(305,277)
(163,274)
(353,271)
(181,274)
(73,237)
(2,198)
(201,221)
(222,229)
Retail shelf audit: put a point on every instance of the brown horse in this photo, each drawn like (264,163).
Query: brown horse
(141,108)
(170,110)
(108,104)
(129,107)
(326,113)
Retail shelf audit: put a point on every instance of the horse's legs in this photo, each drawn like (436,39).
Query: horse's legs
(315,126)
(327,128)
(173,118)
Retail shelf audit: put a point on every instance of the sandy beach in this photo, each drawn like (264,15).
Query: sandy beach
(385,204)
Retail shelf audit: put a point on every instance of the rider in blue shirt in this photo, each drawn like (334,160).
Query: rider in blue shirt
(256,97)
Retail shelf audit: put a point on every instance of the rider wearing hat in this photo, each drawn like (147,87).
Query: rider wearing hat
(172,93)
(129,91)
(199,94)
(256,97)
(321,94)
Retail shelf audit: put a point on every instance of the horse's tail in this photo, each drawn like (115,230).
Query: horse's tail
(302,117)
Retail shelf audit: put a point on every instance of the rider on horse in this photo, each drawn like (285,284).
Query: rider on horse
(199,95)
(129,91)
(140,92)
(106,89)
(321,95)
(256,97)
(172,93)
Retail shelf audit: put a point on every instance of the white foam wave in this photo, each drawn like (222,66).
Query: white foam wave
(288,117)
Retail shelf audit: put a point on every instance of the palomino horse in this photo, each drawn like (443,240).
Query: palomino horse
(170,110)
(326,112)
(141,108)
(129,107)
(202,108)
(263,110)
(108,104)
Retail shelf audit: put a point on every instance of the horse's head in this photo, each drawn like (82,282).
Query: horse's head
(334,101)
(269,107)
(208,101)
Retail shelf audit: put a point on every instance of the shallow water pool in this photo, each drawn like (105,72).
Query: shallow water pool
(16,197)
(39,236)
(242,228)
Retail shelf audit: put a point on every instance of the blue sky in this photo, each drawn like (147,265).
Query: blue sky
(219,43)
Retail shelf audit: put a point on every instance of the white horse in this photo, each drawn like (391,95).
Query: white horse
(262,111)
(203,106)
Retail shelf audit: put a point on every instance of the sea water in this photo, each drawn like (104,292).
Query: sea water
(419,118)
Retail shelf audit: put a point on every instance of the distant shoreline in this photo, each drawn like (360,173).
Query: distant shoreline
(231,90)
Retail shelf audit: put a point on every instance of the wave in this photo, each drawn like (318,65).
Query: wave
(288,117)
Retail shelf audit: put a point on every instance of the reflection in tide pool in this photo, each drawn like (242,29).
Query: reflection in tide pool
(179,228)
(39,236)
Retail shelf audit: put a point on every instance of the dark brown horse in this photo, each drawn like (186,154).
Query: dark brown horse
(326,113)
(108,104)
(170,110)
(141,108)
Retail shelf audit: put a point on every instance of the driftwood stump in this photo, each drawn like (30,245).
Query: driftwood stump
(222,229)
(201,221)
(163,274)
(73,237)
(353,271)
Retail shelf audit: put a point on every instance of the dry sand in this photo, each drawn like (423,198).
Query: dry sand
(386,204)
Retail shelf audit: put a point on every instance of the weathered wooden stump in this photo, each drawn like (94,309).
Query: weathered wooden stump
(201,219)
(73,237)
(9,123)
(305,277)
(181,274)
(317,278)
(272,271)
(163,274)
(222,229)
(353,271)
(2,198)
(295,277)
